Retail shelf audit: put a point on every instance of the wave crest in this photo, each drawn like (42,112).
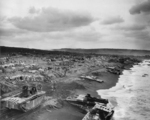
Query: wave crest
(131,93)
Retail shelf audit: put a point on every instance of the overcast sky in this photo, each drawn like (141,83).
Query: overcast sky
(52,24)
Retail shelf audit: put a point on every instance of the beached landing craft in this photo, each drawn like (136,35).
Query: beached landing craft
(100,112)
(101,109)
(93,78)
(114,70)
(26,100)
(85,100)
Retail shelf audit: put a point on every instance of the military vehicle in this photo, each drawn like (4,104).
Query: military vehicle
(29,98)
(114,70)
(85,100)
(100,112)
(92,78)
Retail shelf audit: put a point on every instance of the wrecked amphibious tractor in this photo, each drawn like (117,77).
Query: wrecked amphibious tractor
(30,98)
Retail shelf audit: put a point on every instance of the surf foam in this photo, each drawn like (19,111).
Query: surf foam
(132,93)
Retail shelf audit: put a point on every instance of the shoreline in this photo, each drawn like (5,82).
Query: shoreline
(110,80)
(69,112)
(71,85)
(128,92)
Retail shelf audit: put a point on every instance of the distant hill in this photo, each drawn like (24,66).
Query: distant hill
(4,49)
(110,51)
(25,51)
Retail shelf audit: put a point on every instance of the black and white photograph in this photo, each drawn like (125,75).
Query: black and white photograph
(74,59)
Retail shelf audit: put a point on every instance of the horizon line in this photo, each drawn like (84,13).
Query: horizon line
(76,48)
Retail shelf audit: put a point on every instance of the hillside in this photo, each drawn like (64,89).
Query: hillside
(82,51)
(110,51)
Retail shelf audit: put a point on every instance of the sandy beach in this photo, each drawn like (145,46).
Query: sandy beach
(64,89)
(75,60)
(60,77)
(68,111)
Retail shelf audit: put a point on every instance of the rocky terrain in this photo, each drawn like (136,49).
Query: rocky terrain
(59,71)
(127,52)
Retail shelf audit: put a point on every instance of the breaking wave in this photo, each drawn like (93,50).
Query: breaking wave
(132,93)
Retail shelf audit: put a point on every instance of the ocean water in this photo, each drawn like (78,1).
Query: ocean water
(132,93)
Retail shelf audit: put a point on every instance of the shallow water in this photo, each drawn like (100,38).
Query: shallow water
(131,94)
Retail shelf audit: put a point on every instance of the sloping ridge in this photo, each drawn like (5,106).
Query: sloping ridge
(131,52)
(110,51)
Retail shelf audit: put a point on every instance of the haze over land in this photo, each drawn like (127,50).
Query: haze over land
(56,24)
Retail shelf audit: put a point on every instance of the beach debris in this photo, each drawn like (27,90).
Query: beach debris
(25,77)
(85,101)
(51,103)
(114,70)
(144,75)
(25,100)
(100,112)
(92,78)
(6,87)
(48,110)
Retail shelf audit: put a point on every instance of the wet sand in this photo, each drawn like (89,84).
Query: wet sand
(67,111)
(70,112)
(132,93)
(109,79)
